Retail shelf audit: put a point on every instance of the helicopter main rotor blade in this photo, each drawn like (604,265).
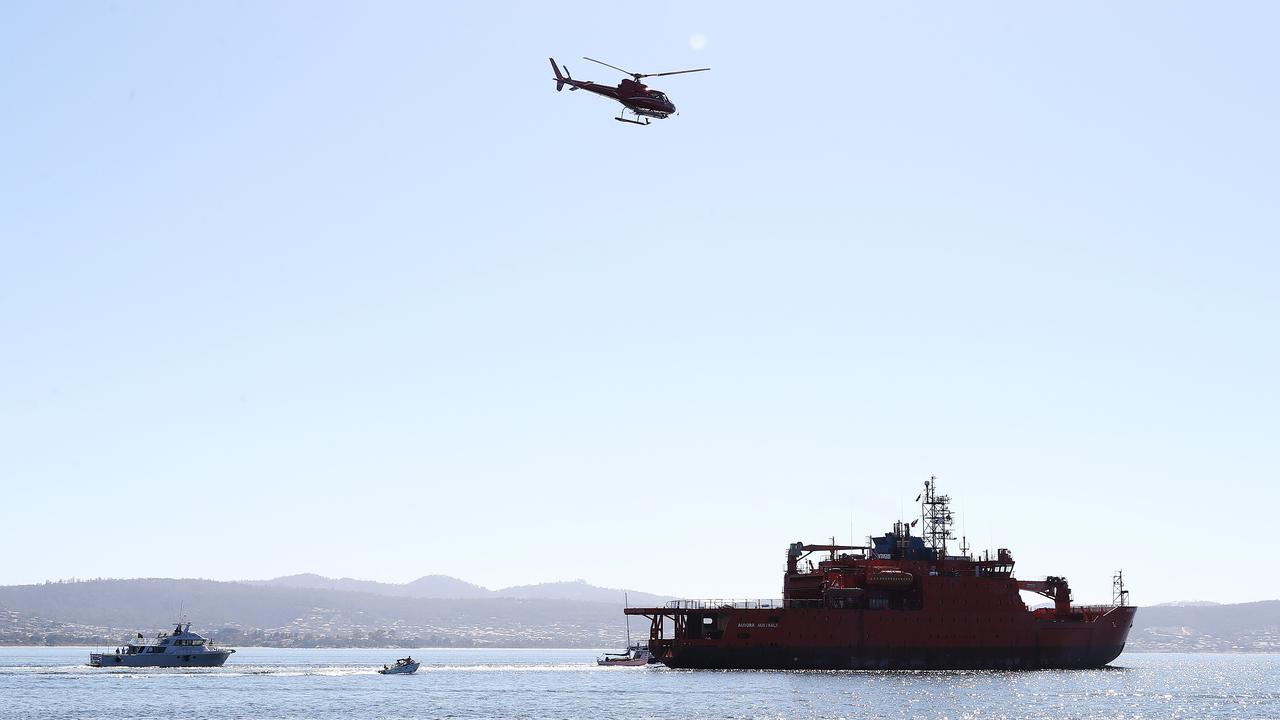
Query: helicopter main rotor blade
(673,72)
(615,67)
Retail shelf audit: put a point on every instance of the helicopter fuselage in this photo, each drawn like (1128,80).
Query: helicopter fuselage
(637,97)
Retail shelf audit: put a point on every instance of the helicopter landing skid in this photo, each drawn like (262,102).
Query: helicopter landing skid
(633,122)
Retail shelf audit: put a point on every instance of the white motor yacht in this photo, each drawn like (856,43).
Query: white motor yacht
(180,648)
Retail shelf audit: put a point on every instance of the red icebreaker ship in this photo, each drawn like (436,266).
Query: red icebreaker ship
(899,603)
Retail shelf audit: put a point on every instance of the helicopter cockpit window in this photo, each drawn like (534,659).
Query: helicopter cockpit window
(659,96)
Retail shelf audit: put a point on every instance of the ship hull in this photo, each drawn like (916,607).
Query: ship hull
(890,658)
(159,660)
(801,639)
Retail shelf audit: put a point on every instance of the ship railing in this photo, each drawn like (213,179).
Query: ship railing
(1088,613)
(1092,609)
(719,604)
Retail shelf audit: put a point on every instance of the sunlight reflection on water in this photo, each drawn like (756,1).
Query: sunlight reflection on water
(275,683)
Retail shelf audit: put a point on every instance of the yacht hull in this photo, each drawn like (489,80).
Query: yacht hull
(406,669)
(630,662)
(213,658)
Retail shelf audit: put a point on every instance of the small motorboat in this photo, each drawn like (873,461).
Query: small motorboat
(403,666)
(635,656)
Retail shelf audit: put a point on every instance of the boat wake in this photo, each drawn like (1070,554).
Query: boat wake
(284,670)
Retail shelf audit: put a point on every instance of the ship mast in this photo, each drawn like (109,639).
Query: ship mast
(936,518)
(1119,596)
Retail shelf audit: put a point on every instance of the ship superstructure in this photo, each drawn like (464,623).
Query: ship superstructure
(899,602)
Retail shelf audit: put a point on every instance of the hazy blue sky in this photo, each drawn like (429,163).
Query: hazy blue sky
(350,289)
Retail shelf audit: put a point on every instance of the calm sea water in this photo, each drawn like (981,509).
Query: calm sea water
(273,683)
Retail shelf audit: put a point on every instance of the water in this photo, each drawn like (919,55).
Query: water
(262,683)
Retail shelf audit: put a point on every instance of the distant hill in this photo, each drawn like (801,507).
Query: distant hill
(312,581)
(310,610)
(581,591)
(1207,627)
(429,586)
(446,587)
(443,586)
(267,614)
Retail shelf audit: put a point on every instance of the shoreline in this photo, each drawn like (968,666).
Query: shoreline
(90,647)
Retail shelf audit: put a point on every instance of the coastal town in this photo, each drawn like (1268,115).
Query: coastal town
(322,629)
(326,628)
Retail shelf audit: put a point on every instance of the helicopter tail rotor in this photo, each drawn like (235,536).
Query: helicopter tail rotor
(560,78)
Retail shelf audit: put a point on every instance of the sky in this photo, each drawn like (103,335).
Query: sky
(348,288)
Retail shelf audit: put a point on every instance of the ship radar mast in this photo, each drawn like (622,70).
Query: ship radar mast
(1119,596)
(936,517)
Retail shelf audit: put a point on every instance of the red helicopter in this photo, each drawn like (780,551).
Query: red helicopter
(634,95)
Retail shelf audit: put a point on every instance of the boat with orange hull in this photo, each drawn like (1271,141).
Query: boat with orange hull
(901,602)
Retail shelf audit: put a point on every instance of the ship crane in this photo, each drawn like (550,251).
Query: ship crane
(1054,588)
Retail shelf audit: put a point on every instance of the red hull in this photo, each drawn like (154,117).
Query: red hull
(812,638)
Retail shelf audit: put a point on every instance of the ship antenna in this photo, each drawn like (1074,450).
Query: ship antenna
(935,511)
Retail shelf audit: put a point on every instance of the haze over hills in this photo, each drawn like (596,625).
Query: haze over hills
(310,611)
(429,586)
(1200,626)
(445,587)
